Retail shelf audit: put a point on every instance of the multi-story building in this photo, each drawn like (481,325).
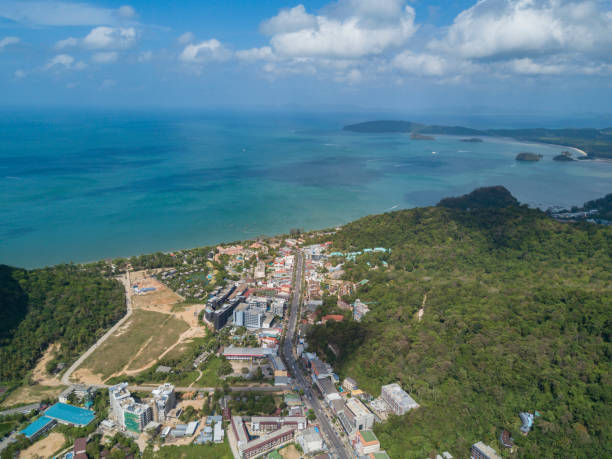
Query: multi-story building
(362,417)
(482,451)
(118,394)
(164,400)
(126,411)
(248,448)
(136,416)
(239,314)
(254,317)
(271,423)
(398,400)
(278,307)
(349,384)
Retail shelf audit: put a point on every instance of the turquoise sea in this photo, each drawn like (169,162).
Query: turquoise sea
(85,186)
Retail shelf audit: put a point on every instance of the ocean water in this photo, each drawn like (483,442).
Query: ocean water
(85,186)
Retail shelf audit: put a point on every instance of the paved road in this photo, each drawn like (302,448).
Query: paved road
(97,344)
(303,380)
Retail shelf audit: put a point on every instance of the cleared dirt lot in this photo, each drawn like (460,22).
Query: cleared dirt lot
(45,447)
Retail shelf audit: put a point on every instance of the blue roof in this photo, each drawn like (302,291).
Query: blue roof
(36,426)
(70,414)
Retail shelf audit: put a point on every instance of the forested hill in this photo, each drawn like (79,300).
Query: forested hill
(517,317)
(595,142)
(65,304)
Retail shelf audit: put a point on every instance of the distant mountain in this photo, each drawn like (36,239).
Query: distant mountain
(594,142)
(384,126)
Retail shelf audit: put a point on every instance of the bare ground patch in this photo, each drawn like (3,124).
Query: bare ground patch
(45,447)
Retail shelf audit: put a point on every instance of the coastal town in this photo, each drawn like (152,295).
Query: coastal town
(275,397)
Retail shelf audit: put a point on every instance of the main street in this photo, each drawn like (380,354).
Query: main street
(302,380)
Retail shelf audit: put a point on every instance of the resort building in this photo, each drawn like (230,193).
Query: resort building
(360,417)
(125,411)
(349,384)
(398,400)
(310,440)
(248,448)
(271,423)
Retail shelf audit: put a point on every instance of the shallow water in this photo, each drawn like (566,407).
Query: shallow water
(84,186)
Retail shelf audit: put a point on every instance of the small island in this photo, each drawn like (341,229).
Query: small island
(530,157)
(564,156)
(472,140)
(417,136)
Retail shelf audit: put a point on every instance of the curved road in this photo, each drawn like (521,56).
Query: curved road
(303,381)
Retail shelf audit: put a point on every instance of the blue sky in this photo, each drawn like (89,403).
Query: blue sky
(530,55)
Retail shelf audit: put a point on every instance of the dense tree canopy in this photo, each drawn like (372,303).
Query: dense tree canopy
(65,304)
(517,317)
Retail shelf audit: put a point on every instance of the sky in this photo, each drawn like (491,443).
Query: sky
(506,55)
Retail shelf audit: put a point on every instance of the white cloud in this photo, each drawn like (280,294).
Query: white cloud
(527,28)
(6,41)
(527,66)
(66,43)
(206,51)
(19,73)
(110,38)
(420,64)
(353,76)
(58,13)
(107,84)
(106,57)
(256,54)
(185,38)
(349,32)
(289,20)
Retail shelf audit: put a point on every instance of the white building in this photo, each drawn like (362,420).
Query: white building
(310,441)
(398,400)
(164,399)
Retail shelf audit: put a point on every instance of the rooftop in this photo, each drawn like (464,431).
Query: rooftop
(70,414)
(368,436)
(36,426)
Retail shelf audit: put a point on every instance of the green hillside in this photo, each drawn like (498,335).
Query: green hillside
(65,304)
(517,317)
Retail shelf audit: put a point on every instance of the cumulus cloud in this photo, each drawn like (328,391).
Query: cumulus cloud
(66,43)
(104,57)
(59,13)
(64,61)
(7,41)
(349,31)
(206,51)
(185,38)
(527,28)
(420,64)
(256,54)
(110,38)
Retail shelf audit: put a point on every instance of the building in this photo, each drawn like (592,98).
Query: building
(268,320)
(271,423)
(278,307)
(482,451)
(248,448)
(398,400)
(80,446)
(527,420)
(38,427)
(125,411)
(238,314)
(365,442)
(362,418)
(70,414)
(247,353)
(360,309)
(218,433)
(136,416)
(310,440)
(349,384)
(191,428)
(321,369)
(254,317)
(164,399)
(81,393)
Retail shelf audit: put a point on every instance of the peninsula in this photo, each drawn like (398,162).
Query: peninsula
(596,143)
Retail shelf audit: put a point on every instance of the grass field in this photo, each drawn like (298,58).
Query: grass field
(31,394)
(212,451)
(137,343)
(210,378)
